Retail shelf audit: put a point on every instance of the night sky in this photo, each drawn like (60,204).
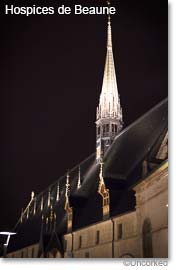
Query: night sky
(51,71)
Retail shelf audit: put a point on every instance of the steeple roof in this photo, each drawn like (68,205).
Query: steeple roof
(109,105)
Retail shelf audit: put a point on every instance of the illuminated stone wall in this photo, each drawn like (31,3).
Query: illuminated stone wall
(152,205)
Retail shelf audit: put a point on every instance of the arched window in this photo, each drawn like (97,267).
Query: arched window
(147,239)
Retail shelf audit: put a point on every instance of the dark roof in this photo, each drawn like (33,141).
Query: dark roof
(49,242)
(135,142)
(28,233)
(122,168)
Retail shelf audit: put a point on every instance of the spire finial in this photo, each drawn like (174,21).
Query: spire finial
(67,184)
(32,195)
(109,17)
(79,179)
(67,207)
(109,34)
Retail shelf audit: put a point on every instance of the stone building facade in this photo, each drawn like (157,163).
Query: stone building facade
(136,234)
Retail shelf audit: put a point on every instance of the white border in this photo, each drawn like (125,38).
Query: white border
(176,131)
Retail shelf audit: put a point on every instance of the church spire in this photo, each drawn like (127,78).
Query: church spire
(109,112)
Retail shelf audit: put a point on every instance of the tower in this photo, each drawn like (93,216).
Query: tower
(109,121)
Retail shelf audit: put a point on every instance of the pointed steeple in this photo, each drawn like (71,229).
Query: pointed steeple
(67,207)
(109,105)
(67,185)
(109,113)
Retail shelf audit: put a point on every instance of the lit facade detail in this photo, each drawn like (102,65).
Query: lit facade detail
(67,207)
(104,192)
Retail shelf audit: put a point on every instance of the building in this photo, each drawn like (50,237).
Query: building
(114,203)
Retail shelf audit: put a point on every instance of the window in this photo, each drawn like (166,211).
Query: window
(98,130)
(115,128)
(112,127)
(106,199)
(97,237)
(107,128)
(86,254)
(147,239)
(80,241)
(120,231)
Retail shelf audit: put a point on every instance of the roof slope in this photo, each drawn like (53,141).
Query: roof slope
(122,168)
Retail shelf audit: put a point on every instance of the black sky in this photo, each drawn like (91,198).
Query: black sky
(51,70)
